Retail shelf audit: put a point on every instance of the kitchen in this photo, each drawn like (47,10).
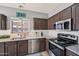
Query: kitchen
(26,32)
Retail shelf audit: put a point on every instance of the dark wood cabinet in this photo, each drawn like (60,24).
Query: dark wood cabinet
(42,44)
(75,16)
(63,15)
(22,47)
(52,20)
(40,24)
(1,48)
(66,14)
(49,23)
(11,48)
(70,12)
(60,16)
(3,22)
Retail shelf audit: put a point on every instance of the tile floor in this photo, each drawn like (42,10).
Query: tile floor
(44,53)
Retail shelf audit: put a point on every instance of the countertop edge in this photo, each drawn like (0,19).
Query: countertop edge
(18,39)
(72,50)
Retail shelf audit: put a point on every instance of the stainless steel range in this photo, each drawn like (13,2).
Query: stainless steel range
(57,45)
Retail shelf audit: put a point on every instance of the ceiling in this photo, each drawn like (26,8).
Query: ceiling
(39,7)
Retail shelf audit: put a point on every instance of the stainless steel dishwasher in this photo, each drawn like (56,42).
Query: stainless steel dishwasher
(33,46)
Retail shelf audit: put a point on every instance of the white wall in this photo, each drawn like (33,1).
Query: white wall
(11,12)
(4,32)
(59,7)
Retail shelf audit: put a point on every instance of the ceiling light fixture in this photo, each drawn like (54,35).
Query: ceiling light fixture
(20,12)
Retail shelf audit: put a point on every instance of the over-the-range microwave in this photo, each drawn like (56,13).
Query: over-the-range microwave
(63,25)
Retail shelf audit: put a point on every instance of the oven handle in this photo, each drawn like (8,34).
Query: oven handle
(56,44)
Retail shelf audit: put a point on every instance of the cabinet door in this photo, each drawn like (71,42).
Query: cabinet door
(40,24)
(55,18)
(36,24)
(22,47)
(49,24)
(77,17)
(43,24)
(0,23)
(11,48)
(1,49)
(73,18)
(42,44)
(60,16)
(3,22)
(66,13)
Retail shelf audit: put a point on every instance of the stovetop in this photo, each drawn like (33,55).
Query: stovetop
(63,43)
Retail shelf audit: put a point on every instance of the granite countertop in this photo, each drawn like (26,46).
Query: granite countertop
(17,39)
(74,48)
(50,37)
(27,38)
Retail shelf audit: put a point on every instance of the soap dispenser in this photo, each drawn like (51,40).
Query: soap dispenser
(41,33)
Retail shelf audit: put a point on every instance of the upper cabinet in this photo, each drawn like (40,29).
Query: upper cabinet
(75,16)
(60,16)
(52,20)
(63,15)
(50,23)
(3,22)
(66,14)
(40,24)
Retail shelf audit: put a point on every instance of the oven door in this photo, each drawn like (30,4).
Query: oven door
(55,49)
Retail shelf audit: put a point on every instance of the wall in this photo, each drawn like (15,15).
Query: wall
(59,7)
(4,32)
(11,12)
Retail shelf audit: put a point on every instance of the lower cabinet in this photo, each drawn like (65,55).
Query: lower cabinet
(11,48)
(1,48)
(42,44)
(22,47)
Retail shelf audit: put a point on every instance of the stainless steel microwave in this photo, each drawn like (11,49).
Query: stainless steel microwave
(63,25)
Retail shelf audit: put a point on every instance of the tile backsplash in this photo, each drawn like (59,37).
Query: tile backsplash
(55,32)
(4,32)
